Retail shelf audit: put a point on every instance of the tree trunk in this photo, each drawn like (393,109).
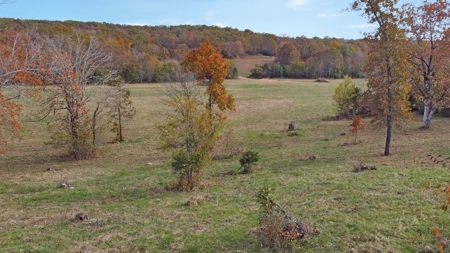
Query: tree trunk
(93,130)
(387,147)
(75,145)
(427,115)
(94,121)
(428,108)
(120,125)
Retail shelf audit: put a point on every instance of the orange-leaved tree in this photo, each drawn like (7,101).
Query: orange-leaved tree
(386,67)
(211,68)
(357,125)
(428,31)
(21,61)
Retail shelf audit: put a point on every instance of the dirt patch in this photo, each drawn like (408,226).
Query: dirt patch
(196,200)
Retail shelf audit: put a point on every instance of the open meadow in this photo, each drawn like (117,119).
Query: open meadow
(245,64)
(124,189)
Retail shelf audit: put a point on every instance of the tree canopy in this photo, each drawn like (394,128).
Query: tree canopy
(386,66)
(210,68)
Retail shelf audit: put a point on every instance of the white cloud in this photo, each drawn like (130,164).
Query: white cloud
(137,23)
(211,18)
(360,26)
(297,3)
(168,20)
(219,24)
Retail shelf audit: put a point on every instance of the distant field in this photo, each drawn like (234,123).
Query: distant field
(244,65)
(390,209)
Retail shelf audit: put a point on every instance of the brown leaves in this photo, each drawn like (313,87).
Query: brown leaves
(356,126)
(435,232)
(210,67)
(9,125)
(28,78)
(287,54)
(428,48)
(20,63)
(447,197)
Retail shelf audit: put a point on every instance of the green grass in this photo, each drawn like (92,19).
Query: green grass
(130,210)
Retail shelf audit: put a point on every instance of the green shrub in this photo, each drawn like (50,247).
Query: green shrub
(247,161)
(346,98)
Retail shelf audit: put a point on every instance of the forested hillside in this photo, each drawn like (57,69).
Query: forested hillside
(146,53)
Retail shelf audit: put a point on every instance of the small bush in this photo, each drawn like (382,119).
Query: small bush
(346,97)
(321,80)
(247,161)
(257,72)
(356,126)
(279,230)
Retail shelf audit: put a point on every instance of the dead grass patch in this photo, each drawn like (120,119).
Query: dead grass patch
(360,167)
(245,64)
(196,200)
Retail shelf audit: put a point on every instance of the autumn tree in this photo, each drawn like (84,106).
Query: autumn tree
(180,51)
(356,126)
(331,63)
(428,30)
(233,49)
(386,65)
(191,131)
(21,59)
(211,69)
(121,106)
(74,60)
(287,54)
(269,45)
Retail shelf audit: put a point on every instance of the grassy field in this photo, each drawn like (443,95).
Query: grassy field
(390,209)
(245,64)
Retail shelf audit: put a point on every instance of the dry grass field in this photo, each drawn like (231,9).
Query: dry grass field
(244,65)
(390,209)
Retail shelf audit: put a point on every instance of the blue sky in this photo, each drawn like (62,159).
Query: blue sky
(280,17)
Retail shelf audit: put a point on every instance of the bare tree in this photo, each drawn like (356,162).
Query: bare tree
(73,62)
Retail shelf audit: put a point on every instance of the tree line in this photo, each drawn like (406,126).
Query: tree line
(144,54)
